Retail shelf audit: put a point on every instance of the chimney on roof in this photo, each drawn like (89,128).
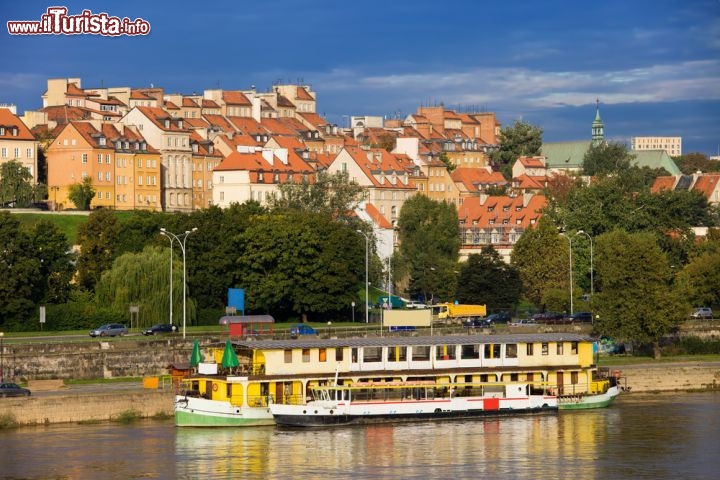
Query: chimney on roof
(483,198)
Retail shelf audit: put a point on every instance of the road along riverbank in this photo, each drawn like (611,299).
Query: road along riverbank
(120,402)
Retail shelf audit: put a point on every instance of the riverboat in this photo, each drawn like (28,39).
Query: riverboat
(383,402)
(275,372)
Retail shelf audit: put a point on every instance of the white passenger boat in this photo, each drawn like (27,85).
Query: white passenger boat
(367,403)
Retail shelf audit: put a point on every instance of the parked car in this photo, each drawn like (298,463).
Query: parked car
(477,323)
(550,318)
(109,330)
(413,304)
(581,317)
(13,390)
(702,312)
(522,322)
(160,328)
(498,317)
(301,329)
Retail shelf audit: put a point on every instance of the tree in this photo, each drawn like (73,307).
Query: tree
(98,246)
(699,280)
(81,194)
(57,267)
(694,162)
(15,184)
(542,259)
(297,263)
(636,302)
(142,279)
(519,139)
(332,194)
(487,279)
(19,273)
(429,246)
(606,158)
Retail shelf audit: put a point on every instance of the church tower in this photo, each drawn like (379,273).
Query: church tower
(598,128)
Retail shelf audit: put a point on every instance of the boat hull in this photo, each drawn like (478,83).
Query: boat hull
(200,412)
(585,402)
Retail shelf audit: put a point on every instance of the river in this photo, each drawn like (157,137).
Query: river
(664,436)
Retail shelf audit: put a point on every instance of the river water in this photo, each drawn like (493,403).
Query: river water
(641,436)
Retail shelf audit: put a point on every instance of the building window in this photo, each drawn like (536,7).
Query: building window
(84,158)
(100,176)
(29,153)
(3,152)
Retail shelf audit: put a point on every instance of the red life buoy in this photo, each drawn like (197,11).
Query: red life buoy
(215,387)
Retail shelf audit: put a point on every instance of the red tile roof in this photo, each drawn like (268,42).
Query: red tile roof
(11,121)
(501,211)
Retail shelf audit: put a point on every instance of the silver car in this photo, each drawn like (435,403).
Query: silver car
(109,330)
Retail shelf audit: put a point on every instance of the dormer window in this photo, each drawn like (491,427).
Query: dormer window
(118,145)
(2,130)
(211,149)
(102,141)
(127,145)
(167,123)
(195,148)
(14,132)
(261,177)
(180,123)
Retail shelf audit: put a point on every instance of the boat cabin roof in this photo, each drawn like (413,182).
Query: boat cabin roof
(408,341)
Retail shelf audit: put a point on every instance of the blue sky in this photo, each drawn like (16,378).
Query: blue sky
(653,64)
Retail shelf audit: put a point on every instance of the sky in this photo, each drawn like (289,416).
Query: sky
(654,65)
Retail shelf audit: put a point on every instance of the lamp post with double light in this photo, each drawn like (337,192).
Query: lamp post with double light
(367,263)
(181,239)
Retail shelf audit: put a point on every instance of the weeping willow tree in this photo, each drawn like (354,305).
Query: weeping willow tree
(142,279)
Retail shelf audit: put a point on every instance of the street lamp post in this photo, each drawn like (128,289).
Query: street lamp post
(2,358)
(569,239)
(181,239)
(592,282)
(367,262)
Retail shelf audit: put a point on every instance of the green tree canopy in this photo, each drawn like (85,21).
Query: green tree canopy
(636,302)
(98,239)
(606,158)
(20,276)
(486,279)
(81,194)
(15,184)
(429,247)
(519,139)
(542,259)
(332,194)
(298,263)
(57,267)
(699,280)
(142,279)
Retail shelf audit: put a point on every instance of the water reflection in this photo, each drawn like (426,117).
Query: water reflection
(640,437)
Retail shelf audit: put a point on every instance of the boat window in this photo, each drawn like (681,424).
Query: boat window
(288,356)
(574,348)
(306,355)
(511,350)
(574,377)
(372,354)
(492,350)
(544,348)
(560,348)
(396,354)
(228,391)
(469,352)
(421,352)
(354,354)
(530,349)
(445,352)
(322,355)
(338,354)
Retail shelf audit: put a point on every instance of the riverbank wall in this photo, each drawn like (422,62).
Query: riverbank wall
(111,405)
